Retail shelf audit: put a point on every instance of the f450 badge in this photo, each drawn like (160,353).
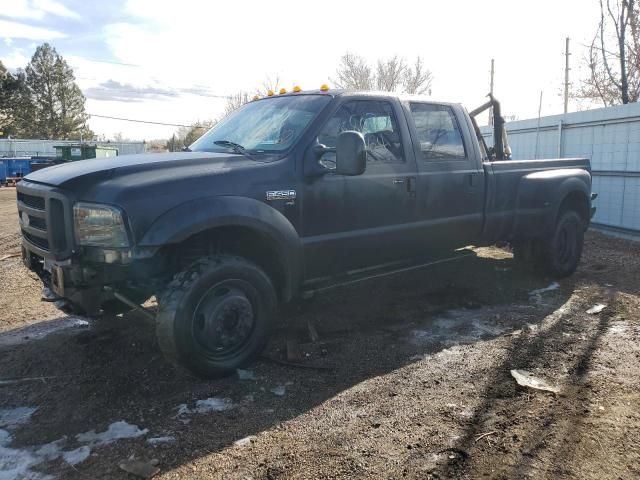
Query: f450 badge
(281,195)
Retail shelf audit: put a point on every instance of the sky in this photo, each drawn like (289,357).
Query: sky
(174,62)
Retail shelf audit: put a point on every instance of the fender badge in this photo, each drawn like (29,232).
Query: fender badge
(280,195)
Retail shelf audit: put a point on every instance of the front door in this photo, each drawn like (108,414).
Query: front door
(352,222)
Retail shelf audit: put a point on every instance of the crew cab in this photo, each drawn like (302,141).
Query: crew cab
(287,196)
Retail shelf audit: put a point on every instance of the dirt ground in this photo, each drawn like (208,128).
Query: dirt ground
(415,381)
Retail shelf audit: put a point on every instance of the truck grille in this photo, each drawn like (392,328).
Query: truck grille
(44,219)
(31,201)
(43,243)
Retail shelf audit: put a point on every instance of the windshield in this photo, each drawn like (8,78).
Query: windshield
(265,126)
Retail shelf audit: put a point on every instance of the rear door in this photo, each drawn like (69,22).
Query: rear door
(450,184)
(360,221)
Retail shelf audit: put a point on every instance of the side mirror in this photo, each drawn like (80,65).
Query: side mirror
(351,154)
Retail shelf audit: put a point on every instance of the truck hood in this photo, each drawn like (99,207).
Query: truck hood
(71,174)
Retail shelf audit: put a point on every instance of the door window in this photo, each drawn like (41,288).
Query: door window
(438,132)
(378,124)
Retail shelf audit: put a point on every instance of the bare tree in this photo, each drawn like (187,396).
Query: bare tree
(417,79)
(354,73)
(391,73)
(235,101)
(269,83)
(614,55)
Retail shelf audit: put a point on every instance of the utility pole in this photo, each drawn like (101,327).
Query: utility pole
(491,92)
(538,127)
(566,76)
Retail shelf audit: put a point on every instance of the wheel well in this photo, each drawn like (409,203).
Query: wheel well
(235,240)
(578,202)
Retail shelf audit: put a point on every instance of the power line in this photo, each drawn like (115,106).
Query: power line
(146,121)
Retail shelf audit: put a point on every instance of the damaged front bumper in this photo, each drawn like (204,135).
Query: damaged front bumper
(78,286)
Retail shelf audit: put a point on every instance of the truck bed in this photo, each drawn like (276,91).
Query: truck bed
(522,193)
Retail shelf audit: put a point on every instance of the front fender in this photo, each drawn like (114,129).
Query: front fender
(540,195)
(195,216)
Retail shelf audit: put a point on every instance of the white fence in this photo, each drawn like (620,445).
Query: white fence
(28,148)
(610,137)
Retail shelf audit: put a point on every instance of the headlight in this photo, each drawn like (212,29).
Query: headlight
(99,225)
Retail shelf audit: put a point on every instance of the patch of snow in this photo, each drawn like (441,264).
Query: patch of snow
(5,438)
(246,374)
(552,286)
(212,404)
(597,308)
(280,390)
(40,330)
(76,456)
(460,326)
(50,451)
(116,431)
(11,417)
(159,440)
(618,329)
(244,441)
(17,463)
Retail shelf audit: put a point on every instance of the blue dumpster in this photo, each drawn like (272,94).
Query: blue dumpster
(17,167)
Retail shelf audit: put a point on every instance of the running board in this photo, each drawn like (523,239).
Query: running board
(356,276)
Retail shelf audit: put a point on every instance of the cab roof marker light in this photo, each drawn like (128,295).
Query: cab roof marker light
(324,87)
(283,91)
(297,89)
(270,93)
(256,97)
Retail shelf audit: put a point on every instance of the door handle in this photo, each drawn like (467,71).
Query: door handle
(410,181)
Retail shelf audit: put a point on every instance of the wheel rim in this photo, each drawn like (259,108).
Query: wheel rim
(223,320)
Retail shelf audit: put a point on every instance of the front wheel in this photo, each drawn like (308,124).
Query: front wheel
(216,316)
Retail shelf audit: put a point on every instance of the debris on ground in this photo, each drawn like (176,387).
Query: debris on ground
(244,441)
(597,308)
(246,374)
(552,286)
(139,468)
(527,379)
(161,440)
(294,351)
(313,333)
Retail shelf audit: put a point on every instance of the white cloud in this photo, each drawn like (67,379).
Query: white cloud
(231,46)
(14,30)
(16,59)
(35,9)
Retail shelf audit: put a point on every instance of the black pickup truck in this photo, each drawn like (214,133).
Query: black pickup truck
(289,195)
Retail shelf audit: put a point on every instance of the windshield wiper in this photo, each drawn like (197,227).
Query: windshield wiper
(236,147)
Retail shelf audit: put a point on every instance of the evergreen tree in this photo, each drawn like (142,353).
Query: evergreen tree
(57,110)
(15,103)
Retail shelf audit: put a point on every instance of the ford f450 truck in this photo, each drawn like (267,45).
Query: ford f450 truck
(289,195)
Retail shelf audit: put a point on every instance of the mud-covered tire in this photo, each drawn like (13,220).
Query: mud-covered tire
(562,252)
(215,316)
